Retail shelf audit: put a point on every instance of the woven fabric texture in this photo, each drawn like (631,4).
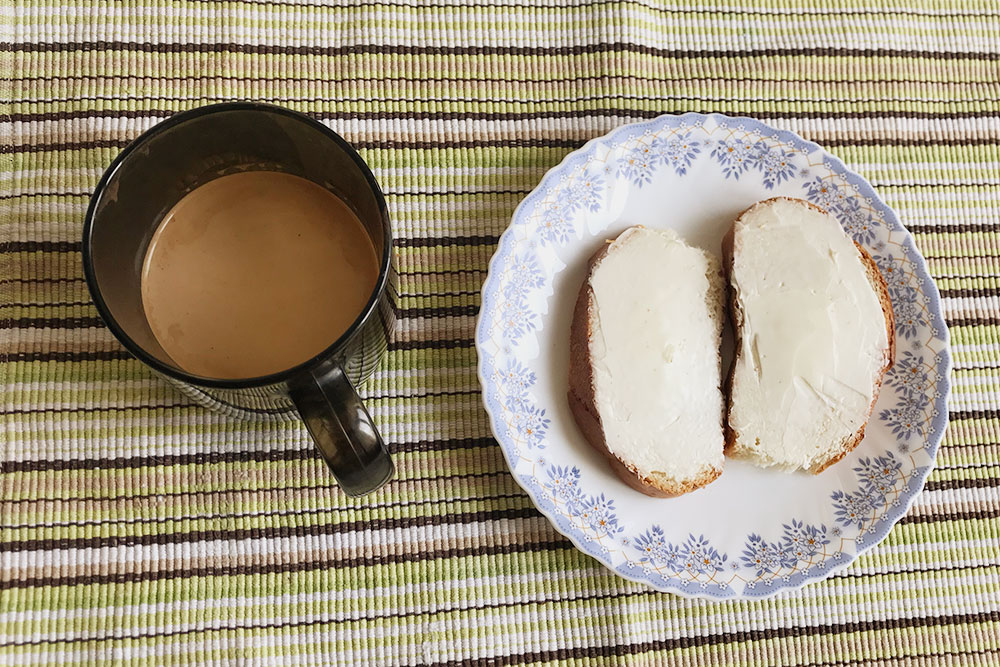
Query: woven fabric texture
(138,528)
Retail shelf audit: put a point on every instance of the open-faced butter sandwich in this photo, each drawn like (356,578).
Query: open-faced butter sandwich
(815,335)
(645,368)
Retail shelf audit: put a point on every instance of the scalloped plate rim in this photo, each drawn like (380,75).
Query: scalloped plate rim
(884,524)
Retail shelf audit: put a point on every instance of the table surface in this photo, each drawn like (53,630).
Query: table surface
(138,528)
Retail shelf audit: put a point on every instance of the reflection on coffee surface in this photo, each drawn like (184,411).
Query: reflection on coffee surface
(256,272)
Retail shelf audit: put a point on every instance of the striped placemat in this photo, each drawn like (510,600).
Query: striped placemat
(140,529)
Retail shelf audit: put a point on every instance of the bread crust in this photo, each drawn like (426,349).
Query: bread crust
(736,317)
(583,406)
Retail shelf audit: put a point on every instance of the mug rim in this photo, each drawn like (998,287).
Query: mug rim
(283,376)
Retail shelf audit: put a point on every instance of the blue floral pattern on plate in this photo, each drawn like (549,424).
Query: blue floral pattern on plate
(578,203)
(772,160)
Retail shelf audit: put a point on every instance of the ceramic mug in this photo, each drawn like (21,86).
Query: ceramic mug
(186,151)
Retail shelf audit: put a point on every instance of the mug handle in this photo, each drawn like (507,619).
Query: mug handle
(343,431)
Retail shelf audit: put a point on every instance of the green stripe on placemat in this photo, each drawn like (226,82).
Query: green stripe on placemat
(139,529)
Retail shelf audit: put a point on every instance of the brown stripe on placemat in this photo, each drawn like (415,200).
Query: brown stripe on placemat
(916,227)
(76,356)
(965,293)
(430,241)
(263,456)
(472,240)
(123,355)
(906,661)
(414,242)
(988,320)
(552,81)
(973,483)
(94,322)
(679,10)
(54,323)
(471,191)
(489,50)
(42,246)
(974,414)
(592,97)
(421,554)
(326,485)
(369,396)
(612,112)
(568,144)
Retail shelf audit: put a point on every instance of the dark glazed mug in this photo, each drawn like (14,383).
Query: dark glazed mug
(189,149)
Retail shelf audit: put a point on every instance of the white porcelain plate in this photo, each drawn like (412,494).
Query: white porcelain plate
(752,532)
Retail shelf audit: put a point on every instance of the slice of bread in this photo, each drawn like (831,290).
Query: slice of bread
(645,369)
(814,336)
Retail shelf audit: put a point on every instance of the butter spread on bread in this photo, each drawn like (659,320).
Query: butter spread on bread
(645,368)
(814,333)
